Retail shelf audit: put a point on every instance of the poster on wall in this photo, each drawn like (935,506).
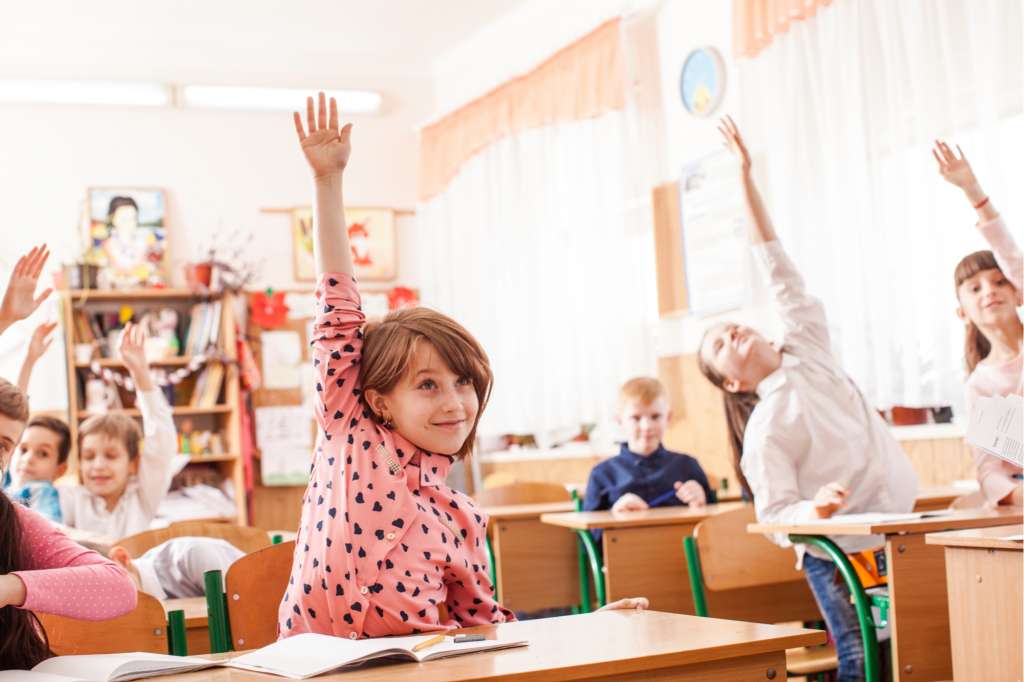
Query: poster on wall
(126,235)
(371,234)
(715,234)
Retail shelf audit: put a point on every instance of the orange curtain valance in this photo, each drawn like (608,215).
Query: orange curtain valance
(583,80)
(755,23)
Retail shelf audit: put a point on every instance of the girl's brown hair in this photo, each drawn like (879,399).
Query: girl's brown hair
(738,407)
(388,346)
(976,346)
(23,641)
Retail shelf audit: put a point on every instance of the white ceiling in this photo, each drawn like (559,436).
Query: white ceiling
(271,42)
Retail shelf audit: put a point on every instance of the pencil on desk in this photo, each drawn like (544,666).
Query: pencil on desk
(429,642)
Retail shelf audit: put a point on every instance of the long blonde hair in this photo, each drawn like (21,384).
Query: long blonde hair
(388,346)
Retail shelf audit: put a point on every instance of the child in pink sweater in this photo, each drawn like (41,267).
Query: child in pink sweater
(988,289)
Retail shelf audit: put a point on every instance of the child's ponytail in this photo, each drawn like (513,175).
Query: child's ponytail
(738,407)
(23,642)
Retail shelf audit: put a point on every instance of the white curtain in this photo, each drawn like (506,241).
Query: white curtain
(540,249)
(840,112)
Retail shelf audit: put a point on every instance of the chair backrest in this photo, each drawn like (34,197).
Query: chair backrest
(748,577)
(969,501)
(243,537)
(143,629)
(526,492)
(496,479)
(254,587)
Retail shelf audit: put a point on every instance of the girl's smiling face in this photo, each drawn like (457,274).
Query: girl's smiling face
(987,298)
(431,406)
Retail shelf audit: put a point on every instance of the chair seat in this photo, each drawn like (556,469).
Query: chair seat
(810,660)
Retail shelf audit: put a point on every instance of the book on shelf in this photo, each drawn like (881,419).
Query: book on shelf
(204,327)
(208,385)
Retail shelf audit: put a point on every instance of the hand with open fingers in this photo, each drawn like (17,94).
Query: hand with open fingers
(19,299)
(829,498)
(734,141)
(133,350)
(691,493)
(40,341)
(628,604)
(326,147)
(630,502)
(953,166)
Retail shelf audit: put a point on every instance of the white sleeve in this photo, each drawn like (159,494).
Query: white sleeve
(803,316)
(160,443)
(1004,248)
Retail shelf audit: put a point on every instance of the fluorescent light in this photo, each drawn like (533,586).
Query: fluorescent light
(84,92)
(275,99)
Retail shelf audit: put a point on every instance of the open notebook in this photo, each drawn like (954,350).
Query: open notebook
(107,668)
(309,655)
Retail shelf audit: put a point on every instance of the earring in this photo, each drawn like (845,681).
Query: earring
(386,419)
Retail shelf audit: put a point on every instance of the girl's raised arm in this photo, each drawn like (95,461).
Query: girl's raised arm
(957,171)
(327,150)
(763,230)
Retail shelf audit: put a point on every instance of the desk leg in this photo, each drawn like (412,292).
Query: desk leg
(649,562)
(918,609)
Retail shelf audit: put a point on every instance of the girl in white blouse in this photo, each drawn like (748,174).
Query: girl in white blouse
(807,442)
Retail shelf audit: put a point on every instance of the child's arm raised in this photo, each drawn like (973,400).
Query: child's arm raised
(37,345)
(160,437)
(957,171)
(19,299)
(802,314)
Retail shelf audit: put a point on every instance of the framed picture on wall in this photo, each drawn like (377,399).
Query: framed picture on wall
(126,235)
(371,234)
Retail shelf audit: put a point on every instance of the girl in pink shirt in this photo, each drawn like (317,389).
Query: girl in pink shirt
(383,543)
(988,289)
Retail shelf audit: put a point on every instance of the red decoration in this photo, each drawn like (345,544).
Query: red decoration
(269,310)
(402,297)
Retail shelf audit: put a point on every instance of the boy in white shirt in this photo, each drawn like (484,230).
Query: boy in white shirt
(124,476)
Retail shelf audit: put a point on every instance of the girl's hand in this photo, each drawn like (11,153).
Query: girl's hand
(734,141)
(326,148)
(629,502)
(628,604)
(829,499)
(19,299)
(954,168)
(691,493)
(40,341)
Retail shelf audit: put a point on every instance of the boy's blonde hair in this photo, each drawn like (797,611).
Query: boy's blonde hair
(13,402)
(388,346)
(644,390)
(117,427)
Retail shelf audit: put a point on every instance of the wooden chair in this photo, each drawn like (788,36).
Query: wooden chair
(523,492)
(143,629)
(243,537)
(739,576)
(969,501)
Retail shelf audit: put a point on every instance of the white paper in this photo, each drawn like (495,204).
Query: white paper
(119,666)
(997,427)
(284,436)
(282,355)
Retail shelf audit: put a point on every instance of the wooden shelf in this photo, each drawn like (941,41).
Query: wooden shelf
(136,294)
(179,411)
(200,459)
(176,361)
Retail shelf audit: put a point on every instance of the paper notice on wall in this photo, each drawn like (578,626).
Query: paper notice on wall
(284,436)
(282,355)
(997,427)
(715,242)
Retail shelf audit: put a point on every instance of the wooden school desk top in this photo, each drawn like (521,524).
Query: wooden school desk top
(526,511)
(954,520)
(993,537)
(661,516)
(626,643)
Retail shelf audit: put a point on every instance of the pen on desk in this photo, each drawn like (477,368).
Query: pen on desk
(429,642)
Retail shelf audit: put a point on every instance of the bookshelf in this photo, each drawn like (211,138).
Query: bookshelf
(207,399)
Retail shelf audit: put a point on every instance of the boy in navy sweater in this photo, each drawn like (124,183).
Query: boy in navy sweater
(644,474)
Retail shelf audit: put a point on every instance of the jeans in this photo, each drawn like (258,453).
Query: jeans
(833,599)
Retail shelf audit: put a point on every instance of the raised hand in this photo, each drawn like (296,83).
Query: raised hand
(326,148)
(133,354)
(19,299)
(734,141)
(954,167)
(40,341)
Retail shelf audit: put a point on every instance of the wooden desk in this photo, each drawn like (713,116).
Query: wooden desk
(536,564)
(643,551)
(624,645)
(196,633)
(984,578)
(933,499)
(917,582)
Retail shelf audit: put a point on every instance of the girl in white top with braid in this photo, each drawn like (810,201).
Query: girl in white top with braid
(807,443)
